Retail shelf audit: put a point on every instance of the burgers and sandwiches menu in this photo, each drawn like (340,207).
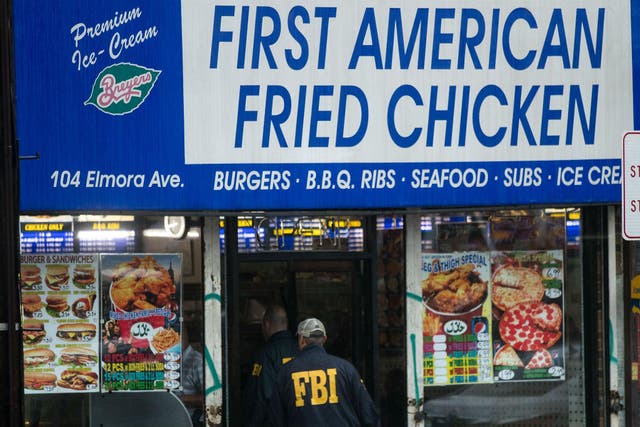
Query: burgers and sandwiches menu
(69,347)
(59,323)
(141,340)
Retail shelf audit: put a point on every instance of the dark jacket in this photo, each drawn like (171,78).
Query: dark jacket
(278,350)
(317,389)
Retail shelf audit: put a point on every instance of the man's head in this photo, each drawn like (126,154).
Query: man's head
(311,331)
(274,320)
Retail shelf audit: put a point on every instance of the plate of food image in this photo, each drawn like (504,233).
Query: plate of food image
(164,340)
(455,293)
(141,284)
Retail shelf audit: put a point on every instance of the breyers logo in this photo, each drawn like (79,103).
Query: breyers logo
(121,88)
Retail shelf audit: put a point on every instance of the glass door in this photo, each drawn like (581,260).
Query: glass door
(332,290)
(329,291)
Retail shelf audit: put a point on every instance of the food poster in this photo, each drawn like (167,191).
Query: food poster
(456,318)
(141,345)
(528,311)
(60,317)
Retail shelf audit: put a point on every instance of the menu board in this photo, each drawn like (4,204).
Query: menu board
(107,236)
(493,316)
(141,341)
(527,289)
(456,313)
(46,237)
(59,323)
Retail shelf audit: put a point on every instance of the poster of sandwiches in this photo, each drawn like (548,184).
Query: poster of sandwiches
(60,318)
(141,339)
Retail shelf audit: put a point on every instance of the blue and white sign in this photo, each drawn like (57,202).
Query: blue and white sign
(219,105)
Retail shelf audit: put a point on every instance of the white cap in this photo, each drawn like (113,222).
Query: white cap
(311,327)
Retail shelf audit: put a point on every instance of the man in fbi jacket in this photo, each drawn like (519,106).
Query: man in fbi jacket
(280,348)
(317,389)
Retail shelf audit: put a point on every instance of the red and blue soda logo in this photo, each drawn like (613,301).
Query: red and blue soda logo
(479,324)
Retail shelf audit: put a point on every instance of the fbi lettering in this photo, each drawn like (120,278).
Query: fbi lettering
(318,380)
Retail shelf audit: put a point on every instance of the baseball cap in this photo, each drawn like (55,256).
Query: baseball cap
(311,327)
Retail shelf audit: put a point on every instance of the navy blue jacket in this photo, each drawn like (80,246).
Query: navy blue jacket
(279,349)
(317,389)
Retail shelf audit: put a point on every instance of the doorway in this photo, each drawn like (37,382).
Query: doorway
(333,287)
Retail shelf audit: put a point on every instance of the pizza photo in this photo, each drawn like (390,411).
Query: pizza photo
(540,360)
(528,318)
(512,285)
(531,326)
(507,356)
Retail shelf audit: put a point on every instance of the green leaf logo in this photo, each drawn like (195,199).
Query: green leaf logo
(121,88)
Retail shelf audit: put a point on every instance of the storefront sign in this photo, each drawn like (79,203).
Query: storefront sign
(192,105)
(141,342)
(60,323)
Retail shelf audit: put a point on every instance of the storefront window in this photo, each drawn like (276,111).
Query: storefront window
(502,318)
(494,349)
(89,330)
